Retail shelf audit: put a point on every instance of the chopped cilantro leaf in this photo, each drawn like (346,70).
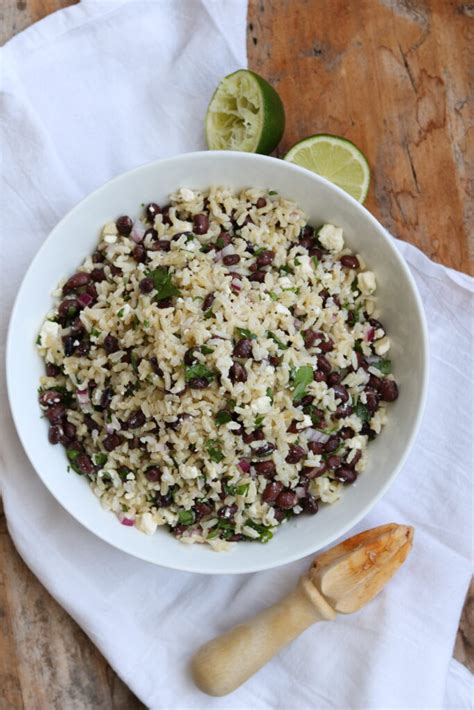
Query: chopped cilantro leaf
(273,295)
(245,333)
(186,517)
(259,419)
(214,450)
(361,411)
(277,340)
(205,350)
(198,370)
(223,416)
(385,366)
(301,379)
(163,283)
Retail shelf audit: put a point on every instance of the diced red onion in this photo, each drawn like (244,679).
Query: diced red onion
(370,334)
(244,465)
(229,249)
(138,231)
(300,492)
(129,522)
(236,285)
(83,396)
(218,255)
(315,435)
(297,323)
(85,299)
(372,359)
(109,428)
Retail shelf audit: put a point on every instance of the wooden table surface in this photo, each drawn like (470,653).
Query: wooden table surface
(391,75)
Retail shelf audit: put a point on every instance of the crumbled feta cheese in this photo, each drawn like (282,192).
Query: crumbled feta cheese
(186,194)
(110,238)
(331,238)
(366,282)
(282,309)
(49,334)
(262,405)
(382,346)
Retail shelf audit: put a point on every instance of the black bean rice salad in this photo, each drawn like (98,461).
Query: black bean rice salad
(216,366)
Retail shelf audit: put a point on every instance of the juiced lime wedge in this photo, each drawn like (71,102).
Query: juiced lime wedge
(336,159)
(246,114)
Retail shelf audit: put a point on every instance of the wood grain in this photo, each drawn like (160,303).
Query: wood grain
(391,75)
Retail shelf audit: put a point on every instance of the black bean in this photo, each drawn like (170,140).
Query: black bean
(346,474)
(332,444)
(223,240)
(243,348)
(155,366)
(237,373)
(50,397)
(208,301)
(115,270)
(136,419)
(326,345)
(52,370)
(153,474)
(179,530)
(98,258)
(55,413)
(257,276)
(90,423)
(272,491)
(83,348)
(84,464)
(264,468)
(319,376)
(361,361)
(295,454)
(201,510)
(77,327)
(76,281)
(317,447)
(151,211)
(274,360)
(189,357)
(164,303)
(349,261)
(264,450)
(111,441)
(106,397)
(231,259)
(368,432)
(333,462)
(139,253)
(315,251)
(163,501)
(374,382)
(372,399)
(54,434)
(333,378)
(323,364)
(161,245)
(340,393)
(68,309)
(111,344)
(310,337)
(286,500)
(306,242)
(311,472)
(265,258)
(261,202)
(346,433)
(355,459)
(124,225)
(198,383)
(98,275)
(310,505)
(388,390)
(146,285)
(200,224)
(227,512)
(69,345)
(256,435)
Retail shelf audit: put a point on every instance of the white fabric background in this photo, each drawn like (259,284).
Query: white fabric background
(86,94)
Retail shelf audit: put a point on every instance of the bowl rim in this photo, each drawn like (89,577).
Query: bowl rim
(304,550)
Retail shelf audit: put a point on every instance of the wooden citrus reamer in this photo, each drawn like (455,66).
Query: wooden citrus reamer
(341,580)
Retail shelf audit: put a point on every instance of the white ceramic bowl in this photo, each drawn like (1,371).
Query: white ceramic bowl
(75,237)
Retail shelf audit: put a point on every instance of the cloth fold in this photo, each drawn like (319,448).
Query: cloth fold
(92,91)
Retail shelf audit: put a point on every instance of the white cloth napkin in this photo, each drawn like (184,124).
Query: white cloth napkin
(88,93)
